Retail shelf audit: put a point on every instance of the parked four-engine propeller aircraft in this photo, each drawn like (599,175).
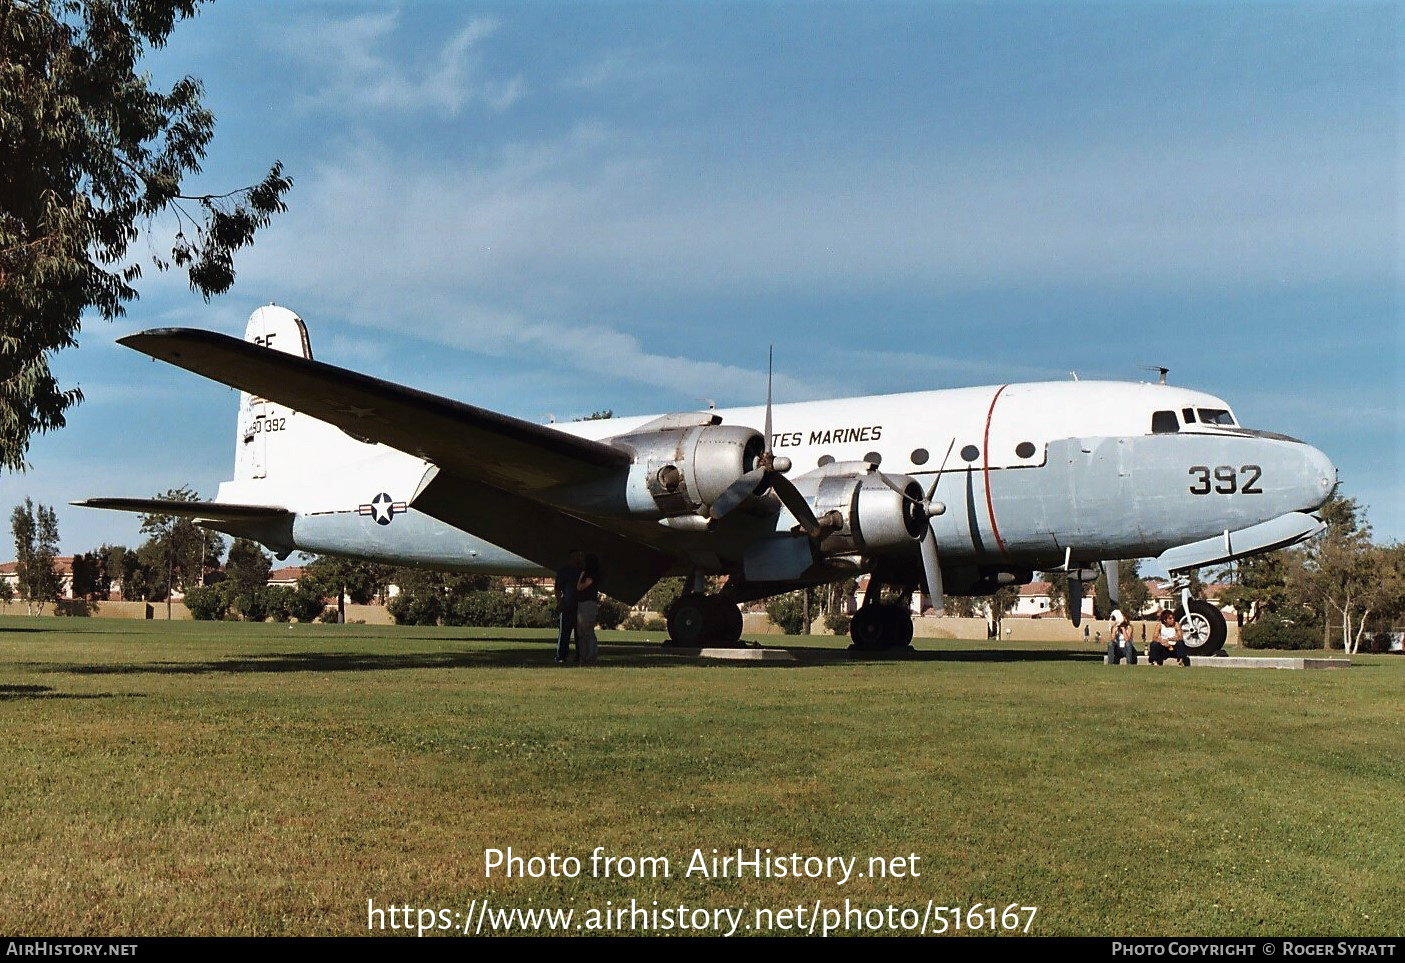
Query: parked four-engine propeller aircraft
(960,491)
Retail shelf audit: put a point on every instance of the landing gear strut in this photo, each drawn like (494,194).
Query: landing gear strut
(697,618)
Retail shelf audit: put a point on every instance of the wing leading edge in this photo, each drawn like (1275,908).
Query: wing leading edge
(494,471)
(472,442)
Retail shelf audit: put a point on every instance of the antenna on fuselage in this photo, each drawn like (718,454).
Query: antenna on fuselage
(1160,370)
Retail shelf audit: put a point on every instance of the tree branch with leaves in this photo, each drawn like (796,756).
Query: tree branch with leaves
(93,153)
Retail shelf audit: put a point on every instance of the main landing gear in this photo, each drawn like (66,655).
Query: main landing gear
(880,625)
(696,618)
(883,625)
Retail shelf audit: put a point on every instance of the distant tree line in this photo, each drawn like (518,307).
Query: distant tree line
(429,597)
(1339,590)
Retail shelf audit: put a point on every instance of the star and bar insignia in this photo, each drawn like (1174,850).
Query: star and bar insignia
(382,508)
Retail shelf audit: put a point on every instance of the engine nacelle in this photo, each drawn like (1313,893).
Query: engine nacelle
(865,514)
(681,470)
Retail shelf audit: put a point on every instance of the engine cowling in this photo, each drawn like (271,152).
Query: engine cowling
(683,470)
(863,512)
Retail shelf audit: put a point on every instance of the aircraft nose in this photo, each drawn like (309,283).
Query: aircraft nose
(1319,476)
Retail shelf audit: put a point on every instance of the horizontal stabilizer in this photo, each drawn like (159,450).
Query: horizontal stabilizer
(212,511)
(263,523)
(1280,532)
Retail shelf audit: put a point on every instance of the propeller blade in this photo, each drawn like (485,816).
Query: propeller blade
(932,570)
(929,507)
(1112,571)
(738,492)
(770,359)
(938,476)
(795,503)
(1075,601)
(888,480)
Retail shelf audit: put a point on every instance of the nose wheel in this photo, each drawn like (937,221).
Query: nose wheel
(1203,627)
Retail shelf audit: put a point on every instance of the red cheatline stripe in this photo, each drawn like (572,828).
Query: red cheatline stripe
(985,473)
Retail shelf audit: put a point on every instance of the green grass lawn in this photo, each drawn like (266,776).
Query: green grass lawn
(196,778)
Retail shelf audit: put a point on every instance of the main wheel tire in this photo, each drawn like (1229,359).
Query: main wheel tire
(687,619)
(725,624)
(897,627)
(1203,628)
(866,629)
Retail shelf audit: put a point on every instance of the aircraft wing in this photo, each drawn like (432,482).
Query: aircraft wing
(494,471)
(465,440)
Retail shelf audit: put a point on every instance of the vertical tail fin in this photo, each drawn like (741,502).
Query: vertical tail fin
(281,330)
(288,458)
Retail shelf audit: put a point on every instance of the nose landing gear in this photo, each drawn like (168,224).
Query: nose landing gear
(1202,626)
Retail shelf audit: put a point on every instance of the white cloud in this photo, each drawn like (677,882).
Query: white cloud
(592,210)
(945,371)
(353,67)
(507,255)
(631,71)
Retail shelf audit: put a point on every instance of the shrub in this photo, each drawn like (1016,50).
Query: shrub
(533,612)
(837,623)
(787,612)
(638,622)
(282,603)
(1378,642)
(207,604)
(416,608)
(252,606)
(612,613)
(479,609)
(1280,635)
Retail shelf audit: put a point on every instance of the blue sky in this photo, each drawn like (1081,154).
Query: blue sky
(549,208)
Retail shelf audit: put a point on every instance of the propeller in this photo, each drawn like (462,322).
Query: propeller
(927,541)
(769,473)
(932,569)
(927,544)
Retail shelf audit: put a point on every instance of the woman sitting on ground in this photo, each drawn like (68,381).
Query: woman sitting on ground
(1169,641)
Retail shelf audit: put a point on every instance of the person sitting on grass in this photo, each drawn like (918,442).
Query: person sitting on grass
(1169,641)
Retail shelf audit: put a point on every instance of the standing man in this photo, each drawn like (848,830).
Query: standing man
(587,608)
(566,595)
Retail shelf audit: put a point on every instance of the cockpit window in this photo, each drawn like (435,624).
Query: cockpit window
(1216,416)
(1164,422)
(1189,415)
